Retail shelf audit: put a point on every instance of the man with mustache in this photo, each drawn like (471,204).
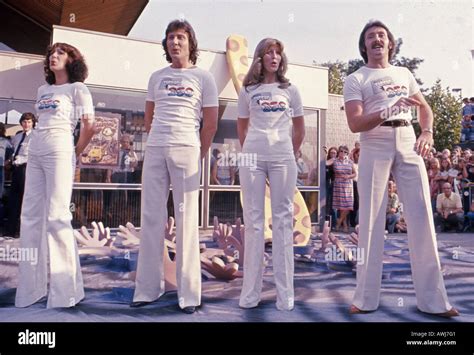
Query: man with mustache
(376,107)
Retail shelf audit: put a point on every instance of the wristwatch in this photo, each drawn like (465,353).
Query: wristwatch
(429,130)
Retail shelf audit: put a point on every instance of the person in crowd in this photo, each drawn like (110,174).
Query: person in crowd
(214,159)
(449,212)
(354,214)
(458,173)
(466,109)
(466,128)
(45,215)
(446,154)
(356,148)
(223,171)
(5,146)
(331,156)
(470,168)
(379,98)
(433,171)
(443,174)
(267,135)
(343,190)
(470,216)
(393,208)
(303,171)
(128,161)
(18,161)
(175,148)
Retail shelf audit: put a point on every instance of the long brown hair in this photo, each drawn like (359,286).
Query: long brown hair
(255,73)
(76,67)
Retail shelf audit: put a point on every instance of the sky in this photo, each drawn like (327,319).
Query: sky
(439,31)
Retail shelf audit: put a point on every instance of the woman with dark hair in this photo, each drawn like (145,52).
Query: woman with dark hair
(266,133)
(45,216)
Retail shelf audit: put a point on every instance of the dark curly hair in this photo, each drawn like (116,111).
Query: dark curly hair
(391,38)
(193,44)
(76,66)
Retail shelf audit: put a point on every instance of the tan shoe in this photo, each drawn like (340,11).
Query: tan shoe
(453,312)
(354,310)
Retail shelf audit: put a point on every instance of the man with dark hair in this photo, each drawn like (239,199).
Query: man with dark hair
(18,163)
(178,96)
(378,99)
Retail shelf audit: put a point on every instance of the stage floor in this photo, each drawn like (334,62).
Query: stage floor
(321,294)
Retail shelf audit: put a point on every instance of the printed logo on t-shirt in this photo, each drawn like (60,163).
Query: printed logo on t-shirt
(175,87)
(389,87)
(264,100)
(395,90)
(46,102)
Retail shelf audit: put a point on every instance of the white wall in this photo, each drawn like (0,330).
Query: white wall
(20,75)
(120,61)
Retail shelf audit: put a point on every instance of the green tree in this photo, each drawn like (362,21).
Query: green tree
(337,74)
(447,115)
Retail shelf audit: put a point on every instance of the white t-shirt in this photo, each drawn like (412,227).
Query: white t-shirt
(270,110)
(179,96)
(379,89)
(58,108)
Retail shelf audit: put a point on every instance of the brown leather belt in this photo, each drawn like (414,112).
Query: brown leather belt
(396,123)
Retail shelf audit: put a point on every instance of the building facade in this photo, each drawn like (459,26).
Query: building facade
(119,69)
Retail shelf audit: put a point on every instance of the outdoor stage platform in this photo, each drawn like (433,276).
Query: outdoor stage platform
(322,294)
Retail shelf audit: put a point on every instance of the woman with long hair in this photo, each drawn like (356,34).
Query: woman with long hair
(268,105)
(46,216)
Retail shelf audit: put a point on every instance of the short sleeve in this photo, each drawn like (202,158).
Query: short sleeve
(413,85)
(295,102)
(150,95)
(209,91)
(83,100)
(438,202)
(243,104)
(458,201)
(352,89)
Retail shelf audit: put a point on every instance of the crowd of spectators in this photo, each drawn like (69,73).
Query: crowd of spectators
(450,175)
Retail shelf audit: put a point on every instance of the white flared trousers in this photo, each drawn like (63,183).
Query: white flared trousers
(282,178)
(180,165)
(46,228)
(385,149)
